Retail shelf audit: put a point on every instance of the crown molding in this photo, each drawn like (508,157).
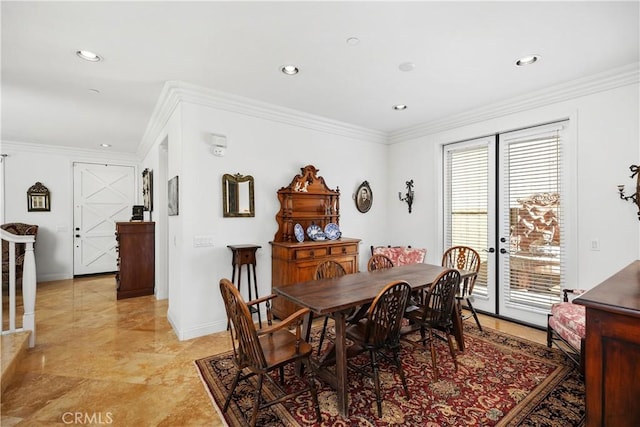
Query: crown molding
(607,80)
(75,153)
(175,92)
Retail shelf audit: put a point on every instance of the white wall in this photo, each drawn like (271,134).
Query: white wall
(272,152)
(28,163)
(605,139)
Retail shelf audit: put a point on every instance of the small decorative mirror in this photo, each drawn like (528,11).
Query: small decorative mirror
(237,196)
(38,198)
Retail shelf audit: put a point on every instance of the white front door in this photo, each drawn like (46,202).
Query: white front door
(102,196)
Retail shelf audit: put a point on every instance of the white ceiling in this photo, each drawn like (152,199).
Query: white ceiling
(464,54)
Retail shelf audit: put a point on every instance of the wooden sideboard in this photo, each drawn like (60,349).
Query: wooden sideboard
(296,262)
(612,355)
(136,259)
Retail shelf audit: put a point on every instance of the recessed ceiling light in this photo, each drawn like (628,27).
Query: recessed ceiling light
(353,41)
(399,107)
(527,60)
(289,70)
(105,145)
(407,66)
(88,55)
(95,91)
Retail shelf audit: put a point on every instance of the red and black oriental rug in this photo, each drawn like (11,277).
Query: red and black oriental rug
(502,380)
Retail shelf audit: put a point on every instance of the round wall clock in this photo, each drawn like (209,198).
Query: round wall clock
(364,197)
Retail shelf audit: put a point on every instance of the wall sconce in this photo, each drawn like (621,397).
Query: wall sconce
(635,198)
(408,197)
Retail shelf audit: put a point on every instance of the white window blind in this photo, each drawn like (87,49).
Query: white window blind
(467,201)
(532,200)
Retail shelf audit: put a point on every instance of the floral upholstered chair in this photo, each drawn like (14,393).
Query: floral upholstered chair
(566,328)
(19,229)
(400,255)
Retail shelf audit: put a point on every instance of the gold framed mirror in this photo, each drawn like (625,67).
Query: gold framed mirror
(237,196)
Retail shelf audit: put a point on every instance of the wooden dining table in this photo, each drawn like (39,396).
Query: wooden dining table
(336,297)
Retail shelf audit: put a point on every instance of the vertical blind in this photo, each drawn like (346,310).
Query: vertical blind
(532,202)
(467,202)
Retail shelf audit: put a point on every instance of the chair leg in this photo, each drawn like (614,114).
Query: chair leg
(396,358)
(549,333)
(256,403)
(324,330)
(314,392)
(433,356)
(233,387)
(453,351)
(475,315)
(376,381)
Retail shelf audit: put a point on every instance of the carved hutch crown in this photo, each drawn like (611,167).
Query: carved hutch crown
(306,201)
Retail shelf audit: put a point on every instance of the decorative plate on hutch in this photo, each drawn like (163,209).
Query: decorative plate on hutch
(299,232)
(312,230)
(332,231)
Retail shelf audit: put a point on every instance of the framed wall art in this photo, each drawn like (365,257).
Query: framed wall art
(147,189)
(38,198)
(173,196)
(364,197)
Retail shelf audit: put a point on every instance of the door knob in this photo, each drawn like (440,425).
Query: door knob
(503,240)
(503,251)
(77,235)
(490,250)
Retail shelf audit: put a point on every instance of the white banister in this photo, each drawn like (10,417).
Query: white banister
(28,285)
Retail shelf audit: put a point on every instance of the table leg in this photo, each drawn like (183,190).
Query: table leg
(458,331)
(341,364)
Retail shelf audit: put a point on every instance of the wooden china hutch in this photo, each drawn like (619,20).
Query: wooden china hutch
(306,201)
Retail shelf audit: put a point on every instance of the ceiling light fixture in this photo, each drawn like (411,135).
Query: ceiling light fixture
(399,107)
(88,55)
(407,66)
(105,145)
(94,91)
(527,60)
(289,70)
(353,41)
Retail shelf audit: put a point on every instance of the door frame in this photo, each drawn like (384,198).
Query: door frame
(569,189)
(73,204)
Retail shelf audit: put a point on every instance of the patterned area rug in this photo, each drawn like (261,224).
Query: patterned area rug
(502,380)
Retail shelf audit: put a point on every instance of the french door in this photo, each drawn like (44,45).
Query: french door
(503,197)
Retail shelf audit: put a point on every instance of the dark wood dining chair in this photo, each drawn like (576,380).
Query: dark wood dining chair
(379,333)
(379,261)
(258,352)
(326,270)
(434,316)
(464,258)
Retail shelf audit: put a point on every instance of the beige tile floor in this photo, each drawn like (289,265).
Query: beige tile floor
(119,363)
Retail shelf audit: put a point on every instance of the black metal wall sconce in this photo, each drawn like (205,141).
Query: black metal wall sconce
(408,197)
(635,198)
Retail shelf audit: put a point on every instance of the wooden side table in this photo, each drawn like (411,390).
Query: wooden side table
(246,255)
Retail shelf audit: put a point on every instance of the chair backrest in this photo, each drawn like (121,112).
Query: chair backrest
(463,258)
(401,255)
(378,262)
(329,269)
(440,299)
(19,229)
(386,313)
(244,337)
